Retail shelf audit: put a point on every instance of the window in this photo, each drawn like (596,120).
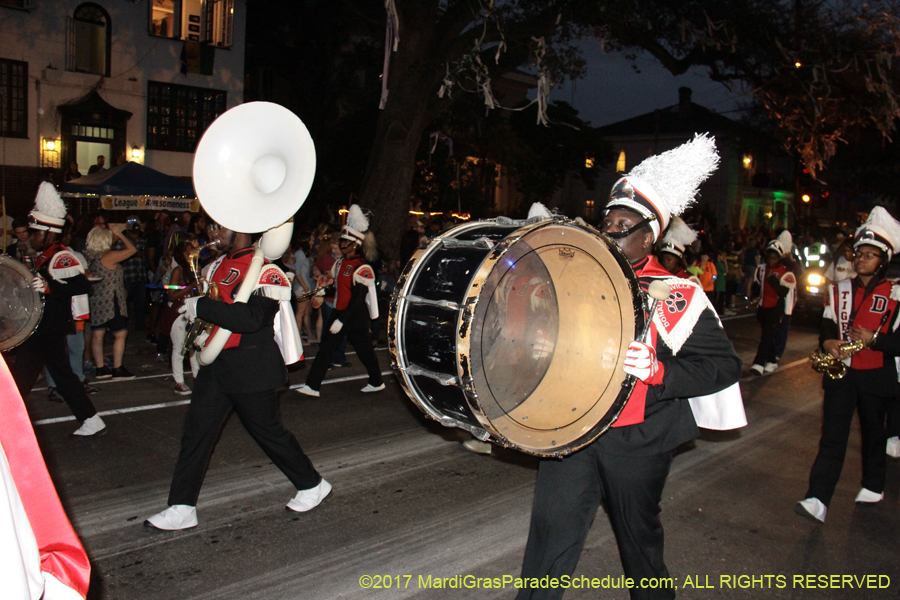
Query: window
(89,40)
(620,164)
(13,98)
(177,115)
(207,21)
(588,209)
(17,3)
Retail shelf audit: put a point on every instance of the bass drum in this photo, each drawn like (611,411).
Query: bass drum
(21,307)
(517,332)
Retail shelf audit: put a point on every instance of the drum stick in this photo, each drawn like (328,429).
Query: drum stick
(658,290)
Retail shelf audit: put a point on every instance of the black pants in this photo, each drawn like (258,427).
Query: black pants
(361,339)
(837,415)
(260,414)
(893,419)
(47,346)
(769,320)
(566,498)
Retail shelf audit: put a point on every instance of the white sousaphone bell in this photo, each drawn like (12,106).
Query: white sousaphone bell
(253,169)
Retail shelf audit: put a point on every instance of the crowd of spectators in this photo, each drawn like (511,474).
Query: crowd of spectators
(132,262)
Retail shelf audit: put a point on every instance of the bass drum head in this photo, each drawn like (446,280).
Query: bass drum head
(21,306)
(556,310)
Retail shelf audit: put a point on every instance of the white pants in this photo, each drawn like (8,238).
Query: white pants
(177,335)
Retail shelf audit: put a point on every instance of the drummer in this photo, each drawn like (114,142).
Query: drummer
(626,467)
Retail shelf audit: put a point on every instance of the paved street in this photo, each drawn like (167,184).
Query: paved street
(409,501)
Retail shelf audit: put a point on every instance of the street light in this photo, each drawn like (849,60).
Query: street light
(805,198)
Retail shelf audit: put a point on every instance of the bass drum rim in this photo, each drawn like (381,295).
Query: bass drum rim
(509,427)
(33,320)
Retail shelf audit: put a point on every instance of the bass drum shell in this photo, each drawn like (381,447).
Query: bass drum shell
(518,332)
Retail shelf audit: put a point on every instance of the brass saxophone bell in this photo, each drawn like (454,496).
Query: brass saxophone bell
(824,362)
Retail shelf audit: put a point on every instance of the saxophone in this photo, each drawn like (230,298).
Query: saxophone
(199,326)
(824,362)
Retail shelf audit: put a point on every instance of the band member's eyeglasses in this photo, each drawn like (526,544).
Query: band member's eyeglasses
(866,255)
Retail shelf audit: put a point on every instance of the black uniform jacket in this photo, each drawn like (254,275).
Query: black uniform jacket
(256,363)
(705,364)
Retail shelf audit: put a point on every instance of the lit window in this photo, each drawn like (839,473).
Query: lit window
(588,209)
(89,40)
(13,98)
(207,21)
(589,162)
(177,115)
(620,164)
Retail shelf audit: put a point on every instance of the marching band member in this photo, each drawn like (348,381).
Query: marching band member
(671,254)
(355,305)
(686,353)
(776,299)
(244,378)
(860,309)
(60,277)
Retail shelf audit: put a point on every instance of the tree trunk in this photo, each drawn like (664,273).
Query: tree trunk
(416,72)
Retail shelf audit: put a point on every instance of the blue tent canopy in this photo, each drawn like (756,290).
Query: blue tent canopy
(129,179)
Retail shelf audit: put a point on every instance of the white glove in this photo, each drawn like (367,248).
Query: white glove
(39,285)
(189,308)
(336,326)
(321,292)
(640,361)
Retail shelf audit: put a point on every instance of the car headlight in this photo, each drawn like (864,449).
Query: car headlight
(815,279)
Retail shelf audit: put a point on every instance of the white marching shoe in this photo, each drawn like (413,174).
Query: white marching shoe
(372,388)
(893,447)
(770,367)
(308,391)
(177,516)
(868,496)
(758,369)
(309,499)
(812,509)
(477,446)
(91,427)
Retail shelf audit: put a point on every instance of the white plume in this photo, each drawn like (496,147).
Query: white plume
(882,219)
(539,210)
(785,241)
(676,175)
(356,219)
(680,234)
(48,203)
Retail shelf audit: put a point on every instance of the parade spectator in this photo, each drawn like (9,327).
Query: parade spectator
(72,172)
(303,285)
(101,161)
(20,249)
(707,276)
(109,308)
(720,284)
(135,275)
(841,267)
(325,265)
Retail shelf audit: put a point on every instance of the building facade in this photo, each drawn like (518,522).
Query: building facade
(136,81)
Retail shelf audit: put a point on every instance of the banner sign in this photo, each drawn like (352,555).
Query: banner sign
(150,203)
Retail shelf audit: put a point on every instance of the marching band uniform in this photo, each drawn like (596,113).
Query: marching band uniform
(62,281)
(355,306)
(870,384)
(685,354)
(776,298)
(244,378)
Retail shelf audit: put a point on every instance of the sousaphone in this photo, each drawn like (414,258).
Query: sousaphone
(253,170)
